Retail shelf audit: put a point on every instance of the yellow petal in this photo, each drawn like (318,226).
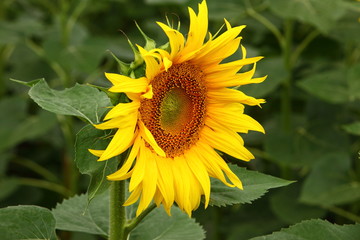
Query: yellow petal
(234,120)
(128,163)
(220,47)
(123,109)
(225,140)
(149,138)
(232,95)
(121,141)
(198,28)
(119,122)
(209,158)
(126,84)
(182,185)
(199,170)
(134,196)
(149,181)
(139,168)
(176,39)
(97,153)
(152,66)
(166,180)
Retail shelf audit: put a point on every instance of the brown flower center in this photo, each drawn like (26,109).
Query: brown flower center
(176,112)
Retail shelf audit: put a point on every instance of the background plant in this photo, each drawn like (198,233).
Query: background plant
(312,52)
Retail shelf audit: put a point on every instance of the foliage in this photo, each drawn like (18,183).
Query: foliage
(312,53)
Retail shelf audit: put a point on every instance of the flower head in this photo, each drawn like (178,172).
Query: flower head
(180,112)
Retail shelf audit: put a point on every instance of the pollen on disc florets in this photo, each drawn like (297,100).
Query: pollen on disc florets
(176,112)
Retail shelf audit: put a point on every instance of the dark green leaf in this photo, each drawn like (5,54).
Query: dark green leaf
(285,204)
(326,184)
(321,14)
(158,225)
(92,138)
(76,214)
(255,185)
(353,128)
(315,230)
(27,222)
(329,86)
(80,101)
(334,86)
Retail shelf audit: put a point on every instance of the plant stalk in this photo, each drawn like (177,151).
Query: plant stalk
(117,211)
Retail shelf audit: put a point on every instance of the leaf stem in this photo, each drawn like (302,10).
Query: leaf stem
(46,185)
(135,221)
(117,211)
(302,46)
(264,21)
(48,175)
(344,213)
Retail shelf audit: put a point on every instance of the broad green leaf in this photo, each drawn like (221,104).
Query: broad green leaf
(255,185)
(76,214)
(81,101)
(327,185)
(329,86)
(229,9)
(158,225)
(321,14)
(17,127)
(91,138)
(346,29)
(353,128)
(335,86)
(315,230)
(287,207)
(27,222)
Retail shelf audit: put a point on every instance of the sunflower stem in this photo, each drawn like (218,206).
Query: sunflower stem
(287,84)
(135,221)
(117,211)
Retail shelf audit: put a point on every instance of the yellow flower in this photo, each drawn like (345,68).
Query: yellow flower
(180,112)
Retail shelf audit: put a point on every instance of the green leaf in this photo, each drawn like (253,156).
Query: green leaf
(287,207)
(92,138)
(322,14)
(80,101)
(255,185)
(26,222)
(353,128)
(326,184)
(76,214)
(158,225)
(334,86)
(229,9)
(315,230)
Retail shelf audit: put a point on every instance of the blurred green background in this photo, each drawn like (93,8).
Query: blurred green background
(312,114)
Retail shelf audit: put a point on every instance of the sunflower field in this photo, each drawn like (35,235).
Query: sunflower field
(180,119)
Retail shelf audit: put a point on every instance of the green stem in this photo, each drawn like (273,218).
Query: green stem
(287,84)
(70,172)
(117,211)
(46,185)
(134,222)
(269,25)
(344,213)
(48,175)
(302,46)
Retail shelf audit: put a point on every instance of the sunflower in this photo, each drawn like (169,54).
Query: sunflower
(182,113)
